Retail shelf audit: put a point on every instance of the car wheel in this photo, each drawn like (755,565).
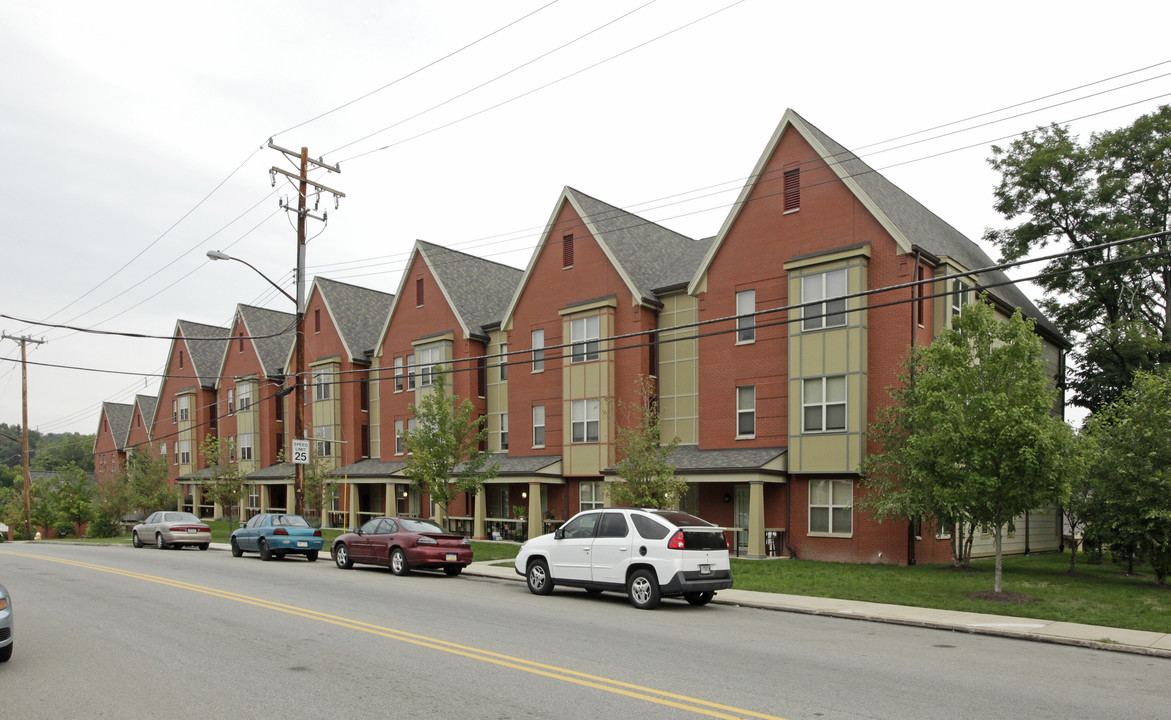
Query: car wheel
(160,543)
(453,570)
(398,562)
(643,589)
(265,553)
(204,546)
(6,652)
(538,578)
(699,598)
(312,555)
(135,540)
(236,551)
(341,557)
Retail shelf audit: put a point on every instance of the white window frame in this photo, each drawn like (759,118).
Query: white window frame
(183,448)
(399,439)
(244,445)
(745,408)
(231,401)
(323,438)
(427,358)
(595,490)
(820,402)
(746,319)
(585,338)
(538,351)
(538,424)
(243,396)
(960,295)
(503,363)
(411,372)
(184,408)
(321,385)
(828,311)
(840,498)
(398,374)
(503,431)
(584,415)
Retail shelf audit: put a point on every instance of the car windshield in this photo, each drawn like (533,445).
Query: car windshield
(289,521)
(681,519)
(180,517)
(420,526)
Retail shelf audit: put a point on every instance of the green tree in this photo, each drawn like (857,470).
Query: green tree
(226,485)
(443,451)
(146,482)
(320,489)
(74,497)
(647,474)
(42,505)
(59,451)
(970,436)
(1131,470)
(1075,196)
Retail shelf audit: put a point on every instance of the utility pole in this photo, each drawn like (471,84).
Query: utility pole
(303,183)
(28,522)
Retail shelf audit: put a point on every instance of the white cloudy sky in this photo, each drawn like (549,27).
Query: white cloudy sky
(118,119)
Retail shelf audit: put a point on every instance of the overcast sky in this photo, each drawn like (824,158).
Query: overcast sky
(133,134)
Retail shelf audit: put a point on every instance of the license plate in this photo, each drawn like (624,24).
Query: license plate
(302,543)
(705,569)
(192,530)
(451,557)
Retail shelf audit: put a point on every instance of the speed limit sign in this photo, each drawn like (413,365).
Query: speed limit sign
(300,452)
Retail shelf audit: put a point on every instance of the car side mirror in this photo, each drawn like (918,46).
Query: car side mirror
(357,531)
(242,525)
(559,534)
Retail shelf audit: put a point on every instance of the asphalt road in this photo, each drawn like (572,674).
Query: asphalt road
(111,632)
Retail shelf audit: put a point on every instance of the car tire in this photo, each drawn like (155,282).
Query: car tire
(643,590)
(265,553)
(699,598)
(160,543)
(236,551)
(341,557)
(204,546)
(6,652)
(398,562)
(311,556)
(453,570)
(538,579)
(135,540)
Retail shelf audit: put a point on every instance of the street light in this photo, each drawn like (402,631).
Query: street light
(298,362)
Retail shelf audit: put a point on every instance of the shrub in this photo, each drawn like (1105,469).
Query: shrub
(105,526)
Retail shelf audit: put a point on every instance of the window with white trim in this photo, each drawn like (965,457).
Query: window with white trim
(746,320)
(411,372)
(427,358)
(831,507)
(538,426)
(503,363)
(163,451)
(503,431)
(825,290)
(584,334)
(243,396)
(746,411)
(323,434)
(538,351)
(321,384)
(184,408)
(959,295)
(398,374)
(584,420)
(244,443)
(184,450)
(823,404)
(591,495)
(231,401)
(399,441)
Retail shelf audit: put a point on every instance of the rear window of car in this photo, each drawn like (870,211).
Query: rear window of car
(423,526)
(679,518)
(648,528)
(181,517)
(289,521)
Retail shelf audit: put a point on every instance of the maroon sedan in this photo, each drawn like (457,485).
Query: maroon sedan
(403,544)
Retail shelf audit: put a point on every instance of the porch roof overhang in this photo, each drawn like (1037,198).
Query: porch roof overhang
(734,465)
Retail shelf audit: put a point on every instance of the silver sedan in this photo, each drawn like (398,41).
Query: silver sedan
(167,529)
(5,625)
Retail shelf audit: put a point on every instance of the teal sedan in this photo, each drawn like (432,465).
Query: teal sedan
(274,535)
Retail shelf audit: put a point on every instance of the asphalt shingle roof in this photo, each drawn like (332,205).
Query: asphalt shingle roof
(273,334)
(689,458)
(119,416)
(479,289)
(205,346)
(359,314)
(147,404)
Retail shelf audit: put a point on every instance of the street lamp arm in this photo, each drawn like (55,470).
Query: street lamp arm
(220,255)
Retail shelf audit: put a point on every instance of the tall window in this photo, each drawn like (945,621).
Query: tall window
(398,374)
(183,447)
(503,431)
(823,404)
(244,443)
(174,411)
(584,333)
(538,426)
(184,408)
(323,434)
(960,295)
(503,363)
(410,372)
(316,320)
(825,291)
(538,351)
(321,384)
(231,401)
(244,396)
(427,359)
(831,507)
(746,411)
(592,495)
(398,437)
(584,418)
(792,190)
(746,322)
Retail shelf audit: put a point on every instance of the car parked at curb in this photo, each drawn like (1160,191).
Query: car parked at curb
(403,544)
(170,529)
(275,535)
(6,625)
(647,554)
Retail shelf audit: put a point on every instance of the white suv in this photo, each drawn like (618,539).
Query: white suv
(647,554)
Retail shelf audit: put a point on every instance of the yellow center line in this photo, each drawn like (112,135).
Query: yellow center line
(618,687)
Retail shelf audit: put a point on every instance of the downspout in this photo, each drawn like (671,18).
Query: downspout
(789,519)
(916,294)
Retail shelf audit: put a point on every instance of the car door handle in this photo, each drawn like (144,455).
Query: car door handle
(623,549)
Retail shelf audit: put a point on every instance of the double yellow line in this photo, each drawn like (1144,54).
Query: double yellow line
(616,687)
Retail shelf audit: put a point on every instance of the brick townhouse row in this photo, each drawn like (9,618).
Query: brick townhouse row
(770,361)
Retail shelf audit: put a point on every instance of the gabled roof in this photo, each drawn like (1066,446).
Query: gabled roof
(904,218)
(647,256)
(146,405)
(205,346)
(476,290)
(358,313)
(272,334)
(118,415)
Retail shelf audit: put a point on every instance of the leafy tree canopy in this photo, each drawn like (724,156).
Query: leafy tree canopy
(226,484)
(648,476)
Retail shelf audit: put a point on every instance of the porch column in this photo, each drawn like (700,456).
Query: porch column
(352,507)
(756,520)
(290,499)
(536,521)
(480,515)
(263,498)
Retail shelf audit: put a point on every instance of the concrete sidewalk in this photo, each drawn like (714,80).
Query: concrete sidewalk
(1091,636)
